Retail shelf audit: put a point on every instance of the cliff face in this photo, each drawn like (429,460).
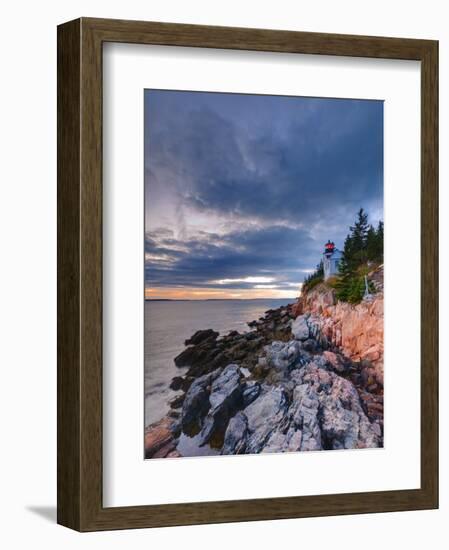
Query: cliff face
(357,330)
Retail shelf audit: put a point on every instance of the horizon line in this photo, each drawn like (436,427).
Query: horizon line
(214,299)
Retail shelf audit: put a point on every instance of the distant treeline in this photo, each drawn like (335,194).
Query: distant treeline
(363,249)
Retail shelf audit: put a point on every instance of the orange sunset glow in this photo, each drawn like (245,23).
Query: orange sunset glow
(167,293)
(241,191)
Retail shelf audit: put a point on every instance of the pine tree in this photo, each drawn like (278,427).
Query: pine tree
(380,241)
(359,234)
(345,270)
(314,278)
(363,244)
(371,244)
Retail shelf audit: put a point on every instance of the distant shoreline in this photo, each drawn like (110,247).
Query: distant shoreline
(294,298)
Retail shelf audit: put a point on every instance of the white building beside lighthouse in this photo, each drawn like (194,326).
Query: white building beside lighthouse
(331,260)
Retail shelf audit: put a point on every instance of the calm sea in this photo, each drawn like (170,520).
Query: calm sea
(169,324)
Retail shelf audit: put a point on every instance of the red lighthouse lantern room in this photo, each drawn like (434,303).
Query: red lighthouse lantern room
(329,247)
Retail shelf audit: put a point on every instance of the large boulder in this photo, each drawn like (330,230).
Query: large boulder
(344,424)
(225,395)
(282,355)
(299,429)
(226,388)
(280,442)
(316,410)
(190,356)
(196,402)
(200,336)
(342,421)
(202,358)
(304,417)
(335,361)
(264,415)
(250,393)
(300,328)
(235,436)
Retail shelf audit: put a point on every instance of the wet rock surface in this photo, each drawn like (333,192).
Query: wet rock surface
(159,440)
(282,386)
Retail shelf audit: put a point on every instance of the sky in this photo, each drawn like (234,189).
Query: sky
(242,191)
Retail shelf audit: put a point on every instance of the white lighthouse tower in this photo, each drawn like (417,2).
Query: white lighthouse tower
(331,259)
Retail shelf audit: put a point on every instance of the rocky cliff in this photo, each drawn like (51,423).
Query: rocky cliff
(305,377)
(356,330)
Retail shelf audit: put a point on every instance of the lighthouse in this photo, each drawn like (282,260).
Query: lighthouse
(331,259)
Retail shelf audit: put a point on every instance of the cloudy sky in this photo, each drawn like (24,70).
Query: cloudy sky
(242,191)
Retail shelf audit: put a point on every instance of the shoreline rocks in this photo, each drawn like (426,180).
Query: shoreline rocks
(357,330)
(283,386)
(160,441)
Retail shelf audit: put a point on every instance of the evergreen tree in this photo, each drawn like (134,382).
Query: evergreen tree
(359,234)
(345,270)
(362,245)
(380,242)
(371,244)
(314,278)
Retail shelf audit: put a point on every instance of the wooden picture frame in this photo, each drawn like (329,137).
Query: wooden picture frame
(80,504)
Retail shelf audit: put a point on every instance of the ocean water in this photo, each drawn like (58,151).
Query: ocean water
(169,324)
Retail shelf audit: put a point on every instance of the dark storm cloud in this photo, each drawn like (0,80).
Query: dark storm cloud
(304,162)
(276,252)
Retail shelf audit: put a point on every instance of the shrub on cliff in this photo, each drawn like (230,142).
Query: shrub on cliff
(314,278)
(354,290)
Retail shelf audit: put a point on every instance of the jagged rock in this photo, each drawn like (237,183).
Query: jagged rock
(200,336)
(196,402)
(324,412)
(344,424)
(226,388)
(239,350)
(164,451)
(250,393)
(315,301)
(304,416)
(299,391)
(177,383)
(189,356)
(300,328)
(284,442)
(281,355)
(225,394)
(357,330)
(263,415)
(159,439)
(205,356)
(334,361)
(235,436)
(373,406)
(311,345)
(254,343)
(177,401)
(174,454)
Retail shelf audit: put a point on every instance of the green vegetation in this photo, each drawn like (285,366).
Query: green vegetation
(314,278)
(363,248)
(363,251)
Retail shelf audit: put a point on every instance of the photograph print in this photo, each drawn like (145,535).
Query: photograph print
(263,274)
